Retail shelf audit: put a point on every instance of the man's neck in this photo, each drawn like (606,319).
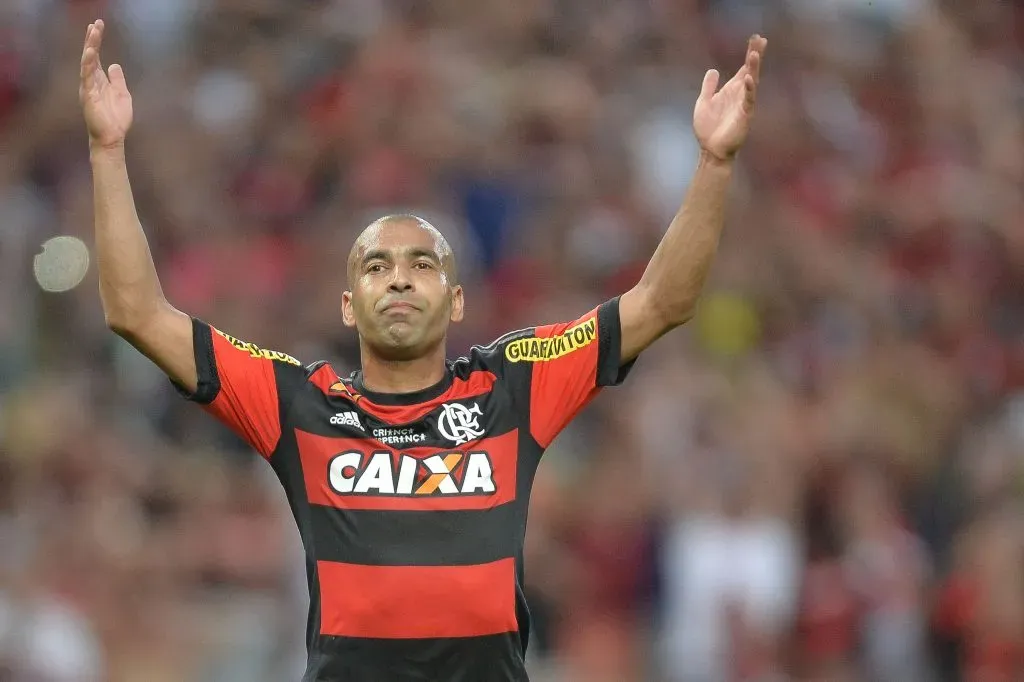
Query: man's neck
(402,376)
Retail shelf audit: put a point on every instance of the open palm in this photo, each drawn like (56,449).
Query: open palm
(106,102)
(721,118)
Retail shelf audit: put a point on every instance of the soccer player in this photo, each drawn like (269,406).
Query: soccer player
(410,479)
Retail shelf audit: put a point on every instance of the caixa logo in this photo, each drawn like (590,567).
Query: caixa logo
(353,473)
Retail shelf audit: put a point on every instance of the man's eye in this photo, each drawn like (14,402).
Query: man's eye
(423,265)
(376,267)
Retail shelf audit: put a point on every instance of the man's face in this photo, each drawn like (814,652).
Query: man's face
(401,299)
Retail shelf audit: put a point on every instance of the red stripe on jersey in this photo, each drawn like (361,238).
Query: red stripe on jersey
(562,386)
(247,401)
(318,454)
(417,602)
(478,383)
(324,377)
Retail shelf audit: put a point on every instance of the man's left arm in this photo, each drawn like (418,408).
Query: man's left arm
(667,294)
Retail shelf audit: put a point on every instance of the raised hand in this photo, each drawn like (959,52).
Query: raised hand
(721,118)
(106,102)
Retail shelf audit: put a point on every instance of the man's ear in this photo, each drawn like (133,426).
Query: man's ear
(347,315)
(458,304)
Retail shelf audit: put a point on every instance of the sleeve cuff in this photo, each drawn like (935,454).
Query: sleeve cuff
(208,382)
(610,370)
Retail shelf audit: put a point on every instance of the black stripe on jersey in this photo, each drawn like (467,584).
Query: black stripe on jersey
(207,381)
(406,399)
(289,471)
(493,346)
(610,370)
(415,538)
(494,658)
(499,418)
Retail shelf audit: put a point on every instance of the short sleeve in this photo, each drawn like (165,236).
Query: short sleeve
(567,365)
(241,385)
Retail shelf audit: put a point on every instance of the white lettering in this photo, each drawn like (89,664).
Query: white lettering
(441,474)
(341,481)
(407,475)
(377,476)
(478,477)
(398,436)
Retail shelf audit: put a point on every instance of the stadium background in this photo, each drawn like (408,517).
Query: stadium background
(819,479)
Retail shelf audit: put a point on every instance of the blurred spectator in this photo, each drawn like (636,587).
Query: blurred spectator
(819,479)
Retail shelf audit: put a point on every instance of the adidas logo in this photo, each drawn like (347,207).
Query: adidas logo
(346,419)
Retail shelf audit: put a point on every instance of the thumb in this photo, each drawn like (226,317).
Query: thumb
(116,74)
(708,87)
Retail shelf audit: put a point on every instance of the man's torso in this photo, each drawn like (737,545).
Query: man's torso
(412,508)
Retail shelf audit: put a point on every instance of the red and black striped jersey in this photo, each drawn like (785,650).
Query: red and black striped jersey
(412,508)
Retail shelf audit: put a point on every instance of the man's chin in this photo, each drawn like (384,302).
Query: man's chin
(400,343)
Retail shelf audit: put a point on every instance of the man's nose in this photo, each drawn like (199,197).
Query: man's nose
(400,279)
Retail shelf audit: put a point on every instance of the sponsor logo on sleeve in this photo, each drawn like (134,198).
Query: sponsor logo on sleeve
(534,349)
(256,352)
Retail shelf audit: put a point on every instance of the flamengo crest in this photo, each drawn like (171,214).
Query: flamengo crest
(459,423)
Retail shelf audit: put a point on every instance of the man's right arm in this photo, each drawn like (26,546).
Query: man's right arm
(133,302)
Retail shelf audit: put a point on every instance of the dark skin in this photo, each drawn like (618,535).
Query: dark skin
(402,297)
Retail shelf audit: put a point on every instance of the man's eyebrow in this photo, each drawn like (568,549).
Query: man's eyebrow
(375,254)
(420,252)
(411,252)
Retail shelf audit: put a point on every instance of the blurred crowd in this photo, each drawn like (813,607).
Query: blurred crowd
(820,478)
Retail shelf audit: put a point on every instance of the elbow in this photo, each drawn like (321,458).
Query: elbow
(670,311)
(677,315)
(119,323)
(126,320)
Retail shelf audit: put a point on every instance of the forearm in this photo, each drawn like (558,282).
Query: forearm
(676,273)
(129,287)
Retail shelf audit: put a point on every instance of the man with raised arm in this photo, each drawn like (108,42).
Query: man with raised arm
(409,479)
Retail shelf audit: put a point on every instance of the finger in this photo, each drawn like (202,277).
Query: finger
(90,63)
(753,65)
(94,35)
(88,58)
(117,77)
(91,68)
(710,84)
(752,43)
(94,38)
(755,52)
(749,93)
(86,47)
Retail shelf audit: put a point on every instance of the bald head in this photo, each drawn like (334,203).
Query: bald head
(369,242)
(402,289)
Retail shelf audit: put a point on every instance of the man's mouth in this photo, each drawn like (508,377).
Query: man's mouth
(399,305)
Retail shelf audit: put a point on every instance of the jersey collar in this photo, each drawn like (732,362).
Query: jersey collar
(413,398)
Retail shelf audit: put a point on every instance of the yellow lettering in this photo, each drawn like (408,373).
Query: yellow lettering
(256,352)
(543,350)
